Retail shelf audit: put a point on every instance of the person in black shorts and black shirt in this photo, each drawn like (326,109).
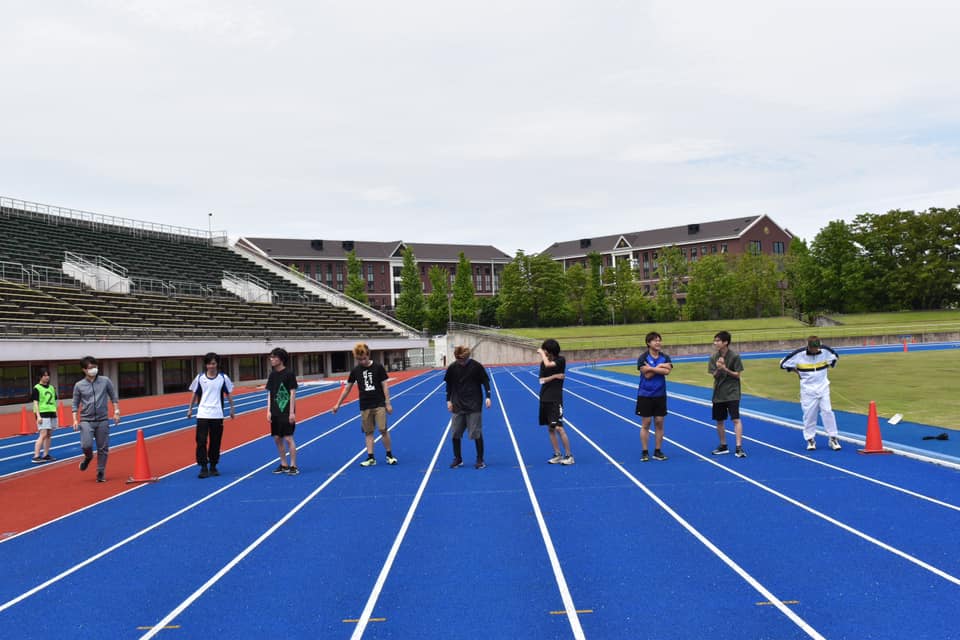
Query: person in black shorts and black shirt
(281,410)
(552,372)
(464,379)
(374,401)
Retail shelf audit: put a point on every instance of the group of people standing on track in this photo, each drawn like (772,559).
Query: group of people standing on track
(467,394)
(810,363)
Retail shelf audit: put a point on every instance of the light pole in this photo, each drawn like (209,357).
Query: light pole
(210,226)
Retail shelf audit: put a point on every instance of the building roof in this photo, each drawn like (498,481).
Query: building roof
(325,249)
(694,233)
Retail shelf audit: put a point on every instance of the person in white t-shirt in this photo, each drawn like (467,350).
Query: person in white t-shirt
(209,389)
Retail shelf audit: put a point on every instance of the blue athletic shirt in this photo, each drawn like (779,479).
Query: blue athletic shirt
(657,385)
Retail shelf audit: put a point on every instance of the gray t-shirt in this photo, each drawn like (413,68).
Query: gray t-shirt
(725,387)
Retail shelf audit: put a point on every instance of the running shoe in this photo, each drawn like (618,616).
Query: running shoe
(293,471)
(644,457)
(213,470)
(835,443)
(204,473)
(85,463)
(811,445)
(740,453)
(457,462)
(48,458)
(281,469)
(658,455)
(556,459)
(38,460)
(567,460)
(722,450)
(369,462)
(391,460)
(480,465)
(100,476)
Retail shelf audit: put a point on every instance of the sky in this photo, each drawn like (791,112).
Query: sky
(513,123)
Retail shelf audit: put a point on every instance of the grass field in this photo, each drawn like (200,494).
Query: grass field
(912,323)
(922,385)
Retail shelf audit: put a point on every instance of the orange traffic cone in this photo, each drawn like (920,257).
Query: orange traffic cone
(905,346)
(61,416)
(141,468)
(874,441)
(25,429)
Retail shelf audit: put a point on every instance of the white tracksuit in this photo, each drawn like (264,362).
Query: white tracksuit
(814,387)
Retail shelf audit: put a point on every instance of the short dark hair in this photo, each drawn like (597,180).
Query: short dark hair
(551,346)
(44,372)
(723,336)
(282,354)
(87,361)
(653,335)
(210,357)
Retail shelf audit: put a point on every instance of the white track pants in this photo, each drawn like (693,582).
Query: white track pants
(813,403)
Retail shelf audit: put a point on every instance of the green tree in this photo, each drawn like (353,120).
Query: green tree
(548,290)
(710,290)
(671,271)
(489,306)
(839,269)
(464,304)
(410,303)
(356,287)
(516,299)
(622,288)
(576,277)
(437,312)
(800,272)
(755,289)
(596,295)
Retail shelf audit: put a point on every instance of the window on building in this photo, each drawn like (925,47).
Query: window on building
(779,248)
(755,247)
(723,247)
(713,248)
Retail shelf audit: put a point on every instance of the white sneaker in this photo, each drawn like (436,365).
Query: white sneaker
(811,445)
(556,459)
(566,460)
(835,443)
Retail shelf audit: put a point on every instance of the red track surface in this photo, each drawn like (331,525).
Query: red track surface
(44,493)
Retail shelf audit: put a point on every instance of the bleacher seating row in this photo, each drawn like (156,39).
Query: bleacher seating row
(42,308)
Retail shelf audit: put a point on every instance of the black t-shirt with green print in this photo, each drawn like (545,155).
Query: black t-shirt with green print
(279,385)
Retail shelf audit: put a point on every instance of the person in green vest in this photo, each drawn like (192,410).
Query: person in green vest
(44,396)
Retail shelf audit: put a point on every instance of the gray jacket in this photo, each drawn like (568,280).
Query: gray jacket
(92,396)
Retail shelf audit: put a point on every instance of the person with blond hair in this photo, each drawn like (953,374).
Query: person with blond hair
(374,401)
(467,383)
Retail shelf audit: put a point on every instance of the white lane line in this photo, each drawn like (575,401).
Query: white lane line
(849,529)
(749,579)
(805,458)
(367,612)
(571,610)
(157,628)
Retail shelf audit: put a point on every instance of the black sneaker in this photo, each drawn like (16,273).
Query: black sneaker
(658,455)
(203,473)
(644,457)
(721,450)
(480,465)
(213,470)
(85,463)
(740,453)
(293,471)
(391,459)
(48,458)
(100,476)
(281,469)
(38,460)
(457,462)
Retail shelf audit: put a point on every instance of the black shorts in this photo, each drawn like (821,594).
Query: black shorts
(282,427)
(649,407)
(722,409)
(551,413)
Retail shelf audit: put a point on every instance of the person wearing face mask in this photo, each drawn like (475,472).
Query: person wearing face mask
(810,363)
(90,395)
